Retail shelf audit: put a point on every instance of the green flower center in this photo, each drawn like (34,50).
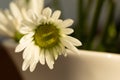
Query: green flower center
(46,35)
(18,36)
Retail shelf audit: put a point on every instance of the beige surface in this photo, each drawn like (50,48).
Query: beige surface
(87,65)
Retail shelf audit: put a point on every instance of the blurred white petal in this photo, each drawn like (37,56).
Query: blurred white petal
(36,6)
(67,23)
(47,12)
(15,11)
(56,14)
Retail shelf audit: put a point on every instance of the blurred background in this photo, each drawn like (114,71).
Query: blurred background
(97,22)
(96,25)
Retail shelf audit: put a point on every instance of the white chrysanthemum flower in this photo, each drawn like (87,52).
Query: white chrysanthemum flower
(11,19)
(45,38)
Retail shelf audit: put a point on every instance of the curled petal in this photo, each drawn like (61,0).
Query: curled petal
(47,12)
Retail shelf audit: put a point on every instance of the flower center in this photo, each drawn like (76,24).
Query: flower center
(46,35)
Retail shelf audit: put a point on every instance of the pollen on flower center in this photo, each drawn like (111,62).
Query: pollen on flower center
(46,35)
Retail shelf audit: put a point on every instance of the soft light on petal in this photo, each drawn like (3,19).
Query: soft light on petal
(26,37)
(47,12)
(67,23)
(35,58)
(15,11)
(28,52)
(49,59)
(23,45)
(69,45)
(25,15)
(56,14)
(3,28)
(55,53)
(2,18)
(33,66)
(67,31)
(36,6)
(25,65)
(74,41)
(25,30)
(42,57)
(36,52)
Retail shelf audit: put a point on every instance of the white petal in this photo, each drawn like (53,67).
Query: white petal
(62,48)
(8,32)
(42,57)
(67,31)
(25,30)
(15,11)
(9,17)
(74,41)
(26,37)
(59,49)
(55,53)
(67,23)
(3,18)
(35,58)
(32,15)
(25,65)
(36,6)
(59,21)
(33,66)
(47,12)
(56,14)
(49,59)
(23,45)
(69,45)
(31,56)
(65,54)
(29,51)
(25,15)
(26,52)
(37,52)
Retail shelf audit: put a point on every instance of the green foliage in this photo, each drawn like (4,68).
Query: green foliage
(94,36)
(103,39)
